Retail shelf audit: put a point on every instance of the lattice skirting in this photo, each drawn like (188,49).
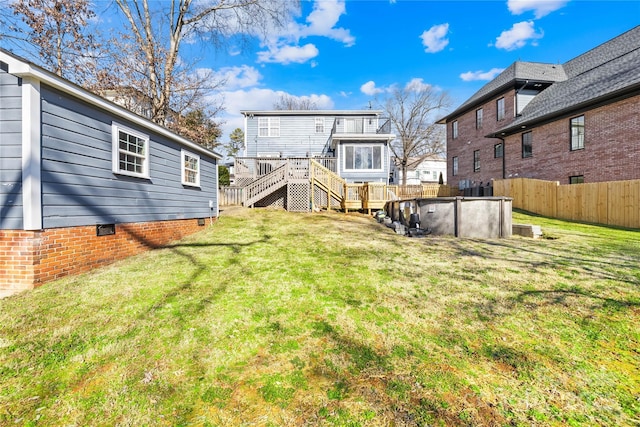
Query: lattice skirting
(320,199)
(298,196)
(278,199)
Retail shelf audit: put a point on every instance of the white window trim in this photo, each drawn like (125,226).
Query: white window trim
(115,148)
(344,160)
(183,154)
(273,127)
(319,121)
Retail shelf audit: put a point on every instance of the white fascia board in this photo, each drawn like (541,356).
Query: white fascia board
(31,155)
(24,69)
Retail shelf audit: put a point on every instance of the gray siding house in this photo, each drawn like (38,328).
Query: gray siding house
(70,159)
(356,140)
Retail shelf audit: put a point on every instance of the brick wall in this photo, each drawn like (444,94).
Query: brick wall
(31,258)
(471,139)
(611,147)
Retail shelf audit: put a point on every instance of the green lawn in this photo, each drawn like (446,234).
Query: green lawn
(275,318)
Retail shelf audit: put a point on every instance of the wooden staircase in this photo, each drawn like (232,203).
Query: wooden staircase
(328,182)
(265,185)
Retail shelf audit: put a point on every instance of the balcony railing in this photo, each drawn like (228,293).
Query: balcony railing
(248,169)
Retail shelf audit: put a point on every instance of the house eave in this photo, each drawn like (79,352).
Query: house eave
(22,68)
(513,84)
(524,125)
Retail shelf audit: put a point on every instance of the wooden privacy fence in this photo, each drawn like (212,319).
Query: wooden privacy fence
(231,196)
(611,203)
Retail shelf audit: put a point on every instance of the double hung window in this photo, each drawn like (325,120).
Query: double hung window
(190,168)
(268,126)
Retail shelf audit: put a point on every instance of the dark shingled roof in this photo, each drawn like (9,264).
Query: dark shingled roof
(518,71)
(611,69)
(605,71)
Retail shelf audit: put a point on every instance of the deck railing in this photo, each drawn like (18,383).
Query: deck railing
(248,169)
(259,176)
(266,184)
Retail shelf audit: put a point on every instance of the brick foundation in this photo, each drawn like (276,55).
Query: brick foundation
(31,258)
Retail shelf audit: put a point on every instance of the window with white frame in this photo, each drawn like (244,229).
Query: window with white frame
(130,151)
(190,168)
(454,166)
(319,124)
(479,114)
(454,129)
(359,157)
(268,126)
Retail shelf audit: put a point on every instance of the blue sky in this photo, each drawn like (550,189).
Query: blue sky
(345,55)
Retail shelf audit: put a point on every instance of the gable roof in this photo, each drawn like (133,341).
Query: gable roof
(21,67)
(603,74)
(519,71)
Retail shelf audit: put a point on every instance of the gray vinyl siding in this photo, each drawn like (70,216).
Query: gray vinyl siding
(298,137)
(79,187)
(10,152)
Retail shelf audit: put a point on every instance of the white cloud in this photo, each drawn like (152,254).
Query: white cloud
(237,77)
(369,88)
(539,7)
(323,19)
(518,36)
(417,85)
(283,46)
(289,54)
(470,76)
(434,39)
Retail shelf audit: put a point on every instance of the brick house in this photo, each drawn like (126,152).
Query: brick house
(573,122)
(85,182)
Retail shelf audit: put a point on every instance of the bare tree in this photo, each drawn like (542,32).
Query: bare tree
(169,81)
(412,112)
(58,31)
(290,102)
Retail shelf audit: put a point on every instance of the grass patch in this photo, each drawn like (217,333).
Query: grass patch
(275,318)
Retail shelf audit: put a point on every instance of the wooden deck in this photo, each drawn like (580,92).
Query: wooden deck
(257,178)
